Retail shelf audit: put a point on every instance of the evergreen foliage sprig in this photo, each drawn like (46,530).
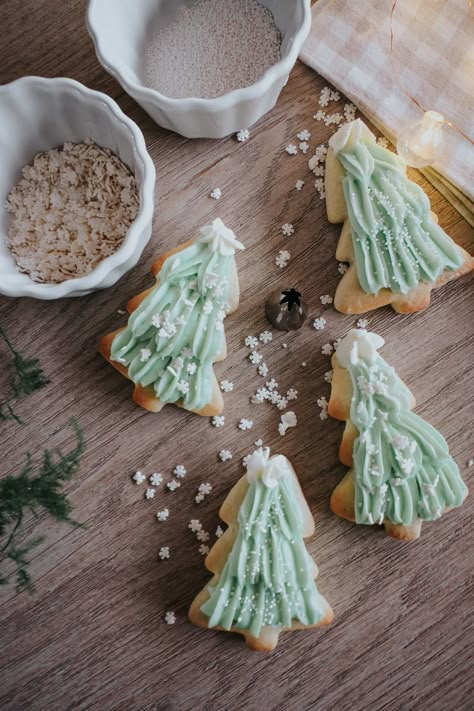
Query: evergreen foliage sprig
(30,492)
(28,377)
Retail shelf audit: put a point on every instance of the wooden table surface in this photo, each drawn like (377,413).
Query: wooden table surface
(93,636)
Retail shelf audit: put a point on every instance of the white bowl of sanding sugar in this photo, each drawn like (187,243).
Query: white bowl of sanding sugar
(201,68)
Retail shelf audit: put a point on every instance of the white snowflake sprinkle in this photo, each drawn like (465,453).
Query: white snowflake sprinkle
(179,471)
(149,493)
(224,455)
(328,376)
(218,420)
(327,349)
(303,135)
(199,498)
(258,443)
(164,552)
(288,229)
(304,147)
(243,135)
(173,485)
(202,536)
(470,463)
(266,337)
(323,415)
(292,394)
(245,424)
(216,194)
(271,384)
(255,357)
(246,459)
(282,403)
(325,299)
(182,387)
(282,259)
(319,323)
(195,525)
(163,515)
(319,115)
(139,477)
(191,368)
(219,531)
(251,342)
(203,549)
(145,354)
(263,370)
(362,323)
(205,488)
(299,184)
(156,479)
(382,141)
(170,618)
(342,268)
(226,386)
(291,149)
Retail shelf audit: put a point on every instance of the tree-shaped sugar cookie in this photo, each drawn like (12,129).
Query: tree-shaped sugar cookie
(263,580)
(401,470)
(396,250)
(175,332)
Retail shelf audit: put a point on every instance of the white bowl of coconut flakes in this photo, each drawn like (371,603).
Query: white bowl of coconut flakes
(201,68)
(101,157)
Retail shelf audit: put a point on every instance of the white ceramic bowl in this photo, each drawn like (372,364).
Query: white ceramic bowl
(121,31)
(38,114)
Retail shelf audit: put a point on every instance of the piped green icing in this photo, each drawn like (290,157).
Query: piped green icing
(402,466)
(396,242)
(176,333)
(268,578)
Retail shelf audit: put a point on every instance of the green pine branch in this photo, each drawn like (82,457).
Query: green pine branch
(27,379)
(30,492)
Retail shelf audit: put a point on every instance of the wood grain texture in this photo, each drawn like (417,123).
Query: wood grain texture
(93,636)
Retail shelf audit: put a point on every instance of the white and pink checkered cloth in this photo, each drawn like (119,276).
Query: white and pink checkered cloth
(433,52)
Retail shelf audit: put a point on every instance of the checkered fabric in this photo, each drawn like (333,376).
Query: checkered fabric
(433,52)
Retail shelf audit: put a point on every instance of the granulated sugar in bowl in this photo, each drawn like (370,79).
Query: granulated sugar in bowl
(202,68)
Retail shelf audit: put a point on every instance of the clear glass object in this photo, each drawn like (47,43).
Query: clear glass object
(421,144)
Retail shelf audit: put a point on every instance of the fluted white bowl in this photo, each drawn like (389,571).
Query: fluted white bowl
(121,31)
(38,114)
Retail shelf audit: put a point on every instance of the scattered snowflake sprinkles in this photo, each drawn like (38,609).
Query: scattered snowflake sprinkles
(226,386)
(179,471)
(282,258)
(170,618)
(219,531)
(299,184)
(156,479)
(203,490)
(325,299)
(304,147)
(218,420)
(139,477)
(173,485)
(243,135)
(164,553)
(216,194)
(263,370)
(382,141)
(319,323)
(224,455)
(163,515)
(255,357)
(327,349)
(245,424)
(291,149)
(328,376)
(323,404)
(203,550)
(288,229)
(362,323)
(145,354)
(266,337)
(292,394)
(342,268)
(470,463)
(326,95)
(149,493)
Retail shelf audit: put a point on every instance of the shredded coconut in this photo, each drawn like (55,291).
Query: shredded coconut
(70,210)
